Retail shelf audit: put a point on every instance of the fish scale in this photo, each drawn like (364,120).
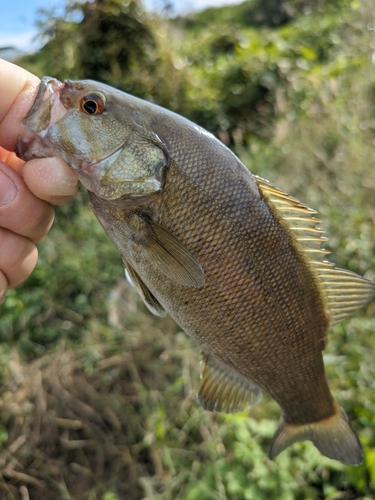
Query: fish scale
(196,323)
(234,260)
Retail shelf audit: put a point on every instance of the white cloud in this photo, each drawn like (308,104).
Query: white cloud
(22,41)
(184,6)
(203,4)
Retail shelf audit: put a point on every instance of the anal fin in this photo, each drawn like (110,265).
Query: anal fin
(223,391)
(333,436)
(148,297)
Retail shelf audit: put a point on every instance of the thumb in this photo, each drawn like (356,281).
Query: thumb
(50,179)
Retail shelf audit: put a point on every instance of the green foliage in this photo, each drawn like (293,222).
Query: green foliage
(127,38)
(102,39)
(295,99)
(249,13)
(63,293)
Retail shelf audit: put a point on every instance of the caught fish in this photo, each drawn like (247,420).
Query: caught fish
(234,260)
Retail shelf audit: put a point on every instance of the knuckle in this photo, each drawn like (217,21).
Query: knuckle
(18,257)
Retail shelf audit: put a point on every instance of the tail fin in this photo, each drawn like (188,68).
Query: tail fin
(333,436)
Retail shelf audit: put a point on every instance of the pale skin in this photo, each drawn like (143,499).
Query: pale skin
(27,190)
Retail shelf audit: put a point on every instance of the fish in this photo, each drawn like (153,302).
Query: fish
(236,261)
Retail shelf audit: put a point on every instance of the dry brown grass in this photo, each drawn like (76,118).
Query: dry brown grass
(75,428)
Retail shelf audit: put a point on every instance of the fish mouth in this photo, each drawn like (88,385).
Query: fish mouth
(46,110)
(48,86)
(47,107)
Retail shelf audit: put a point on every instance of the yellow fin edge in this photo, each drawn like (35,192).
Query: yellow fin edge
(344,292)
(221,390)
(333,436)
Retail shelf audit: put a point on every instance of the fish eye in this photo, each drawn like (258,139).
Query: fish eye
(93,104)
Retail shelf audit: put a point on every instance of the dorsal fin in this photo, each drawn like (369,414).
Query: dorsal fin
(223,391)
(344,291)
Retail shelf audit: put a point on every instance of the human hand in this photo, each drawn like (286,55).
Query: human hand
(27,190)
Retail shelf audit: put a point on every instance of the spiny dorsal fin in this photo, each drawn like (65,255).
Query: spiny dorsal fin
(148,298)
(344,291)
(173,258)
(222,391)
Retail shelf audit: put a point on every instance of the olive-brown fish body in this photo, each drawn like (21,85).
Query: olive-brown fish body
(206,241)
(260,310)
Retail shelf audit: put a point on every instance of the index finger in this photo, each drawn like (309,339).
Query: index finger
(17,89)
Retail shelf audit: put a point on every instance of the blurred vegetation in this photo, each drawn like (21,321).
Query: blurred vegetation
(98,397)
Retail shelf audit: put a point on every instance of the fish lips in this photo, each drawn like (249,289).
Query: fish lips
(46,110)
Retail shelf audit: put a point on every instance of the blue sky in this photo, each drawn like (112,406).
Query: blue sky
(17,17)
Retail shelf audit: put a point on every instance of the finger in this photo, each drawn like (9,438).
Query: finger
(18,257)
(50,179)
(21,211)
(17,89)
(3,287)
(11,159)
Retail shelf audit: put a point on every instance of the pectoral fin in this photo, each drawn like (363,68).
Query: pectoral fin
(148,298)
(222,391)
(172,258)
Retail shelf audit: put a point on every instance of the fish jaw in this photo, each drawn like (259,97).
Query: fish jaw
(46,110)
(43,111)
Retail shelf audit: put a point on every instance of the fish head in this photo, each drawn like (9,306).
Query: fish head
(101,133)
